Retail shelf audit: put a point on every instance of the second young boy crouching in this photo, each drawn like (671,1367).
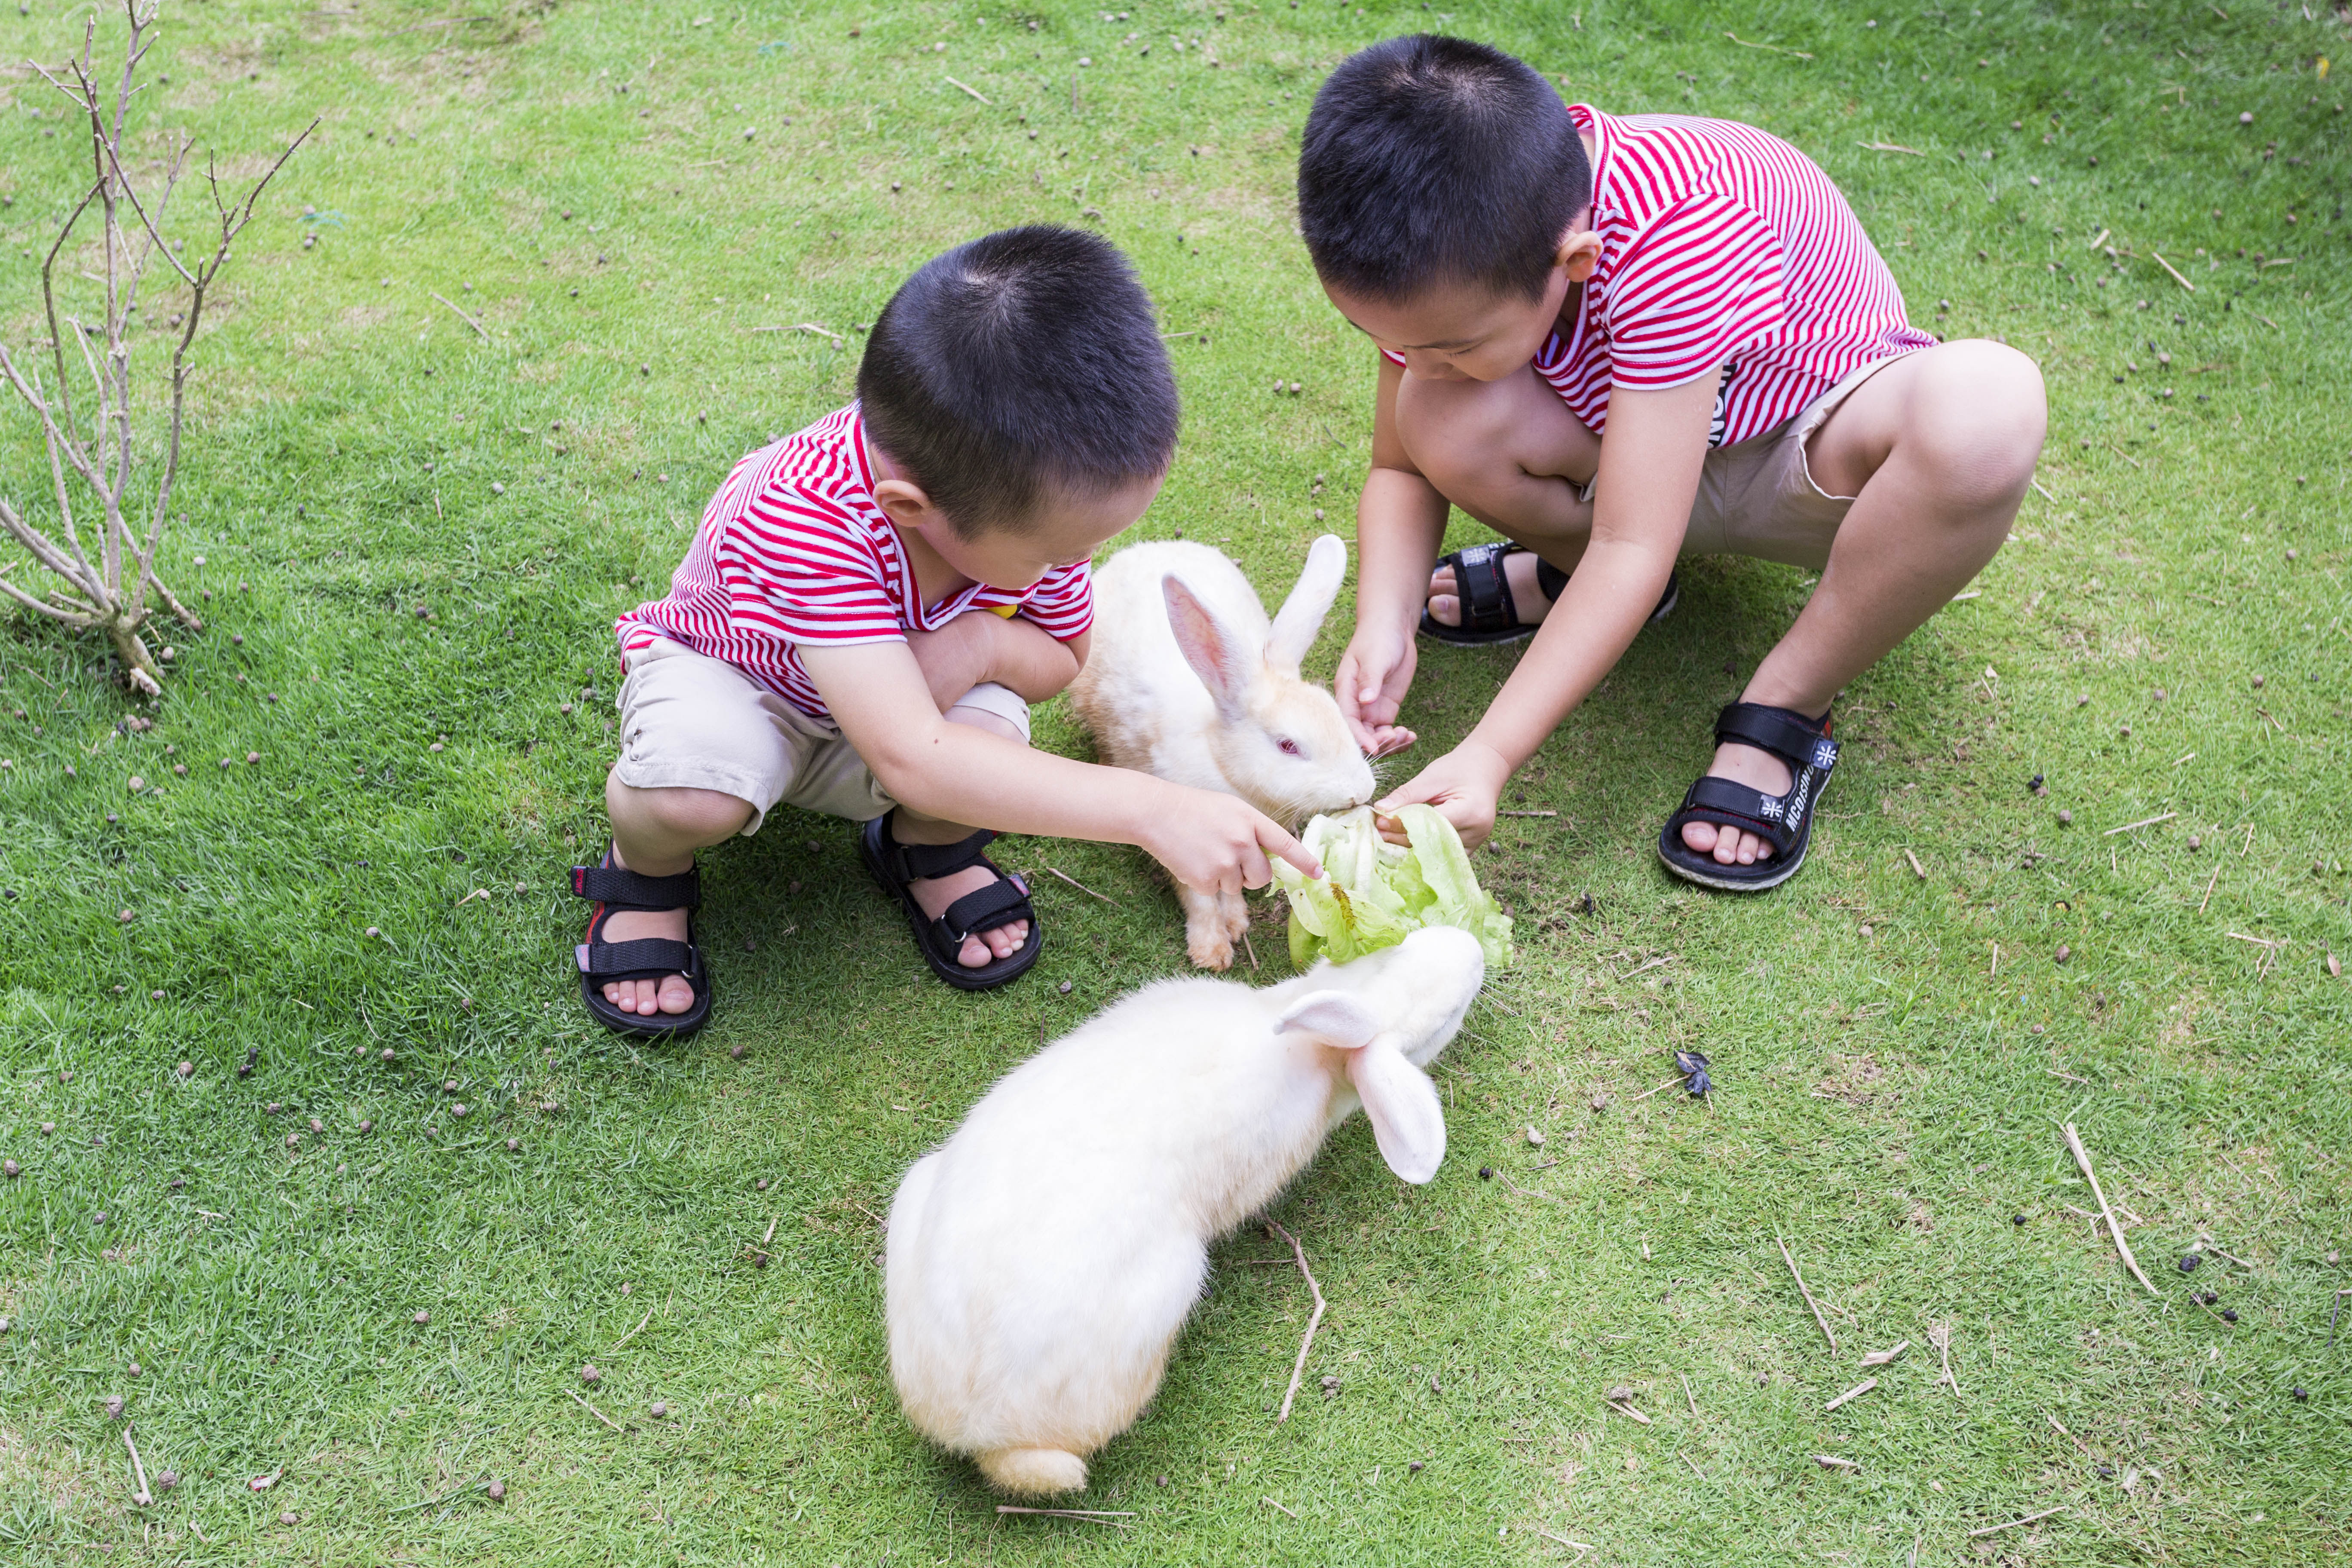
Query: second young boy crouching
(1617,340)
(868,609)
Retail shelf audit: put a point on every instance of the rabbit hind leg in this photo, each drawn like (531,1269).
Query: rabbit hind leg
(1209,932)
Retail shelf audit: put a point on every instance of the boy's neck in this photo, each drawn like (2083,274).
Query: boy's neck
(935,579)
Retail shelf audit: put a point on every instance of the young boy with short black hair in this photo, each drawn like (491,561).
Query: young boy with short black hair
(867,610)
(1618,340)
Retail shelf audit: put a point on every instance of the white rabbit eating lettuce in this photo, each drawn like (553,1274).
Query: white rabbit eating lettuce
(1187,680)
(1040,1263)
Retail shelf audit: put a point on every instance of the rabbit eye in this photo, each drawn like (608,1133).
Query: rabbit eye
(1289,747)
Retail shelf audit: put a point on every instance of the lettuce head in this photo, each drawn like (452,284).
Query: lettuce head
(1374,894)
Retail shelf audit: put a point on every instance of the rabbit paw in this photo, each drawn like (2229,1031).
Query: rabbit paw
(1208,946)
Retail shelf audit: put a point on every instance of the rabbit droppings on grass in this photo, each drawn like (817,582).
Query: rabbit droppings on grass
(1187,680)
(1041,1261)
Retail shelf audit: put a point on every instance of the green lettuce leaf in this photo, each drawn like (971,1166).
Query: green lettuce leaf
(1374,894)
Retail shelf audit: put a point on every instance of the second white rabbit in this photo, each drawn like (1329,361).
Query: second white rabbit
(1040,1262)
(1189,681)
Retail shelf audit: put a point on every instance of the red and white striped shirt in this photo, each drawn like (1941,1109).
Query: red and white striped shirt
(1724,251)
(793,549)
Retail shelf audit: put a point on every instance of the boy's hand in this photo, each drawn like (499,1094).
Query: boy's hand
(1465,785)
(1374,675)
(1208,839)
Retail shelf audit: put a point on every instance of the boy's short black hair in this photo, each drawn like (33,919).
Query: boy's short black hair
(1430,159)
(1027,359)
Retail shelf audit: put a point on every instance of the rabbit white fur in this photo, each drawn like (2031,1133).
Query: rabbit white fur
(1040,1263)
(1188,681)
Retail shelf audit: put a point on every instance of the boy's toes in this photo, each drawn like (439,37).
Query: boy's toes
(673,995)
(1701,836)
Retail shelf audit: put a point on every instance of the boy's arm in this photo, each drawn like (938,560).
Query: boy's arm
(1400,524)
(980,645)
(1650,461)
(960,773)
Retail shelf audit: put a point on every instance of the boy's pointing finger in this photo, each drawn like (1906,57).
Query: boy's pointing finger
(1271,836)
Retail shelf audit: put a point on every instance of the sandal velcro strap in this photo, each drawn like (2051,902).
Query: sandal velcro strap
(921,862)
(1484,590)
(625,889)
(1783,821)
(1799,742)
(1000,903)
(642,959)
(1728,803)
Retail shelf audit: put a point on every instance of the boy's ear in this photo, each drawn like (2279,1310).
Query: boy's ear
(1578,254)
(907,503)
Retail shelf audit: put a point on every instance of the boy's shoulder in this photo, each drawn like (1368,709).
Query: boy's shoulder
(817,475)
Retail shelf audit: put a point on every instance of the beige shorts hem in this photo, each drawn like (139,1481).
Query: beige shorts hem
(1759,498)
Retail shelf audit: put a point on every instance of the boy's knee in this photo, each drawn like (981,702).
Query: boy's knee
(1454,431)
(707,815)
(1981,419)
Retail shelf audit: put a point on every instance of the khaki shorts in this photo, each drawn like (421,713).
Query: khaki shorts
(691,722)
(1759,498)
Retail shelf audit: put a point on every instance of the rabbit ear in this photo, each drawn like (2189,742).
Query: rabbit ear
(1301,616)
(1341,1017)
(1207,646)
(1408,1123)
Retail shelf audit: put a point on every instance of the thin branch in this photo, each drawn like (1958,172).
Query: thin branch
(1298,1369)
(2083,1158)
(1808,1295)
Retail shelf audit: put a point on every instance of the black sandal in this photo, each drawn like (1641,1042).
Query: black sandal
(1001,904)
(647,958)
(1784,821)
(1488,614)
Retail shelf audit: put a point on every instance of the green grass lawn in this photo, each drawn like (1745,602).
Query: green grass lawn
(394,1313)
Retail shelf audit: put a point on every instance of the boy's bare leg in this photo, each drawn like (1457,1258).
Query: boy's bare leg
(657,832)
(908,826)
(1938,449)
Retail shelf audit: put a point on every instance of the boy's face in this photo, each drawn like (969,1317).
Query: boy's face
(1466,331)
(1066,528)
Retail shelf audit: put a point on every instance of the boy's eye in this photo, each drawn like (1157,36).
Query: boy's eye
(1289,747)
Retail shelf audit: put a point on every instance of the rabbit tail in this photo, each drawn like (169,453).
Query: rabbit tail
(1034,1473)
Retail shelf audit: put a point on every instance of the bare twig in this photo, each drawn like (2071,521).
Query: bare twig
(2083,1158)
(1890,147)
(1091,1515)
(2177,278)
(2012,1524)
(1686,1395)
(1857,1391)
(1880,1358)
(633,1333)
(1081,885)
(1251,948)
(591,1410)
(2211,883)
(1808,1295)
(1298,1368)
(145,1494)
(462,314)
(1526,814)
(2143,822)
(973,91)
(1659,1089)
(1916,870)
(1625,1407)
(1941,1336)
(1271,1503)
(1564,1541)
(1831,1462)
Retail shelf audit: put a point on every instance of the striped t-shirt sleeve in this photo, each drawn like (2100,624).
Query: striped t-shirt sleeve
(1062,601)
(1700,283)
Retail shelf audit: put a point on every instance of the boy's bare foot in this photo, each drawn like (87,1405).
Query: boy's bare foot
(1760,771)
(934,894)
(1519,570)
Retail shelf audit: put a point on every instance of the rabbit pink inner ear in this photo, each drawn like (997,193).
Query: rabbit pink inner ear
(1408,1122)
(1341,1019)
(1207,646)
